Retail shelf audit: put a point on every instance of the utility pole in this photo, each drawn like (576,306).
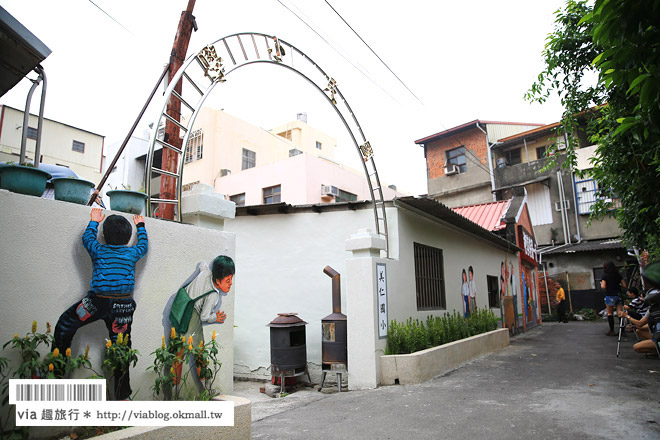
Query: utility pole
(168,186)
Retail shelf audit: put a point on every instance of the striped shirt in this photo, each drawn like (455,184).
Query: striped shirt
(114,265)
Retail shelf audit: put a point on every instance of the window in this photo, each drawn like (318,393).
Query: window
(493,284)
(429,278)
(318,145)
(272,194)
(345,196)
(239,199)
(195,146)
(541,151)
(457,157)
(513,156)
(31,133)
(78,147)
(588,191)
(249,159)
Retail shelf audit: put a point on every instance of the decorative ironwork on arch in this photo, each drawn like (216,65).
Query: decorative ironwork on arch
(202,71)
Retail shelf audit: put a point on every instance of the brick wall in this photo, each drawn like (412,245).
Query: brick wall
(473,139)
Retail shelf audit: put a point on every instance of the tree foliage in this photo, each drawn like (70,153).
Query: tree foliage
(602,61)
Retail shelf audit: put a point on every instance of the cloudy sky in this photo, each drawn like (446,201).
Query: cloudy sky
(461,60)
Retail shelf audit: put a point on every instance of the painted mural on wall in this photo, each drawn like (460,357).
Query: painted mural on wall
(508,295)
(197,303)
(468,292)
(110,297)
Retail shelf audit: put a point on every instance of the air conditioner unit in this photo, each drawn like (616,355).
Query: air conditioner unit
(451,169)
(567,205)
(329,190)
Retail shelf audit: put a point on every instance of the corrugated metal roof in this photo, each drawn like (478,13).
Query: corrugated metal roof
(498,131)
(588,246)
(441,212)
(489,216)
(500,128)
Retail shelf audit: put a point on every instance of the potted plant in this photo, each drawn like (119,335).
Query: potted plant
(125,200)
(23,179)
(72,189)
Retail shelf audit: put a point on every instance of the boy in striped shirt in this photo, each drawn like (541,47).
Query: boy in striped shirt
(110,297)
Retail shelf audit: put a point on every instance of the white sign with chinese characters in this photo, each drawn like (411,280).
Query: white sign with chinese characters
(381,291)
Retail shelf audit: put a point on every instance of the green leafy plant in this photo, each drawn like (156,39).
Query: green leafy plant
(118,358)
(414,335)
(168,366)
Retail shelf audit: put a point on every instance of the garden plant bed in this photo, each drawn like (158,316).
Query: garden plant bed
(426,364)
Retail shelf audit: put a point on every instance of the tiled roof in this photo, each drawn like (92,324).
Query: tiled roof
(489,216)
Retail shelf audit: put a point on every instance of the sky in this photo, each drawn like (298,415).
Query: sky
(460,60)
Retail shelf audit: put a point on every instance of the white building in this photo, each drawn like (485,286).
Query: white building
(61,144)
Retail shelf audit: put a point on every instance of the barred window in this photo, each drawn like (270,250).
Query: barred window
(195,146)
(429,278)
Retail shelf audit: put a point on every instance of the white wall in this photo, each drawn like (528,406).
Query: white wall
(45,269)
(284,257)
(287,254)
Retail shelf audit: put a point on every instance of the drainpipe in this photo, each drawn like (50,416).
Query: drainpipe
(26,121)
(547,294)
(577,221)
(490,163)
(563,197)
(37,148)
(526,151)
(561,206)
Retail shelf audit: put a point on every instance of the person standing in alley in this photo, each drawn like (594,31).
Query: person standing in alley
(561,305)
(612,282)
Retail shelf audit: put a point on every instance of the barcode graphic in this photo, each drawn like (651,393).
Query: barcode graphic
(45,392)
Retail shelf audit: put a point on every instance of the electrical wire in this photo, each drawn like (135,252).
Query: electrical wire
(341,54)
(111,17)
(374,52)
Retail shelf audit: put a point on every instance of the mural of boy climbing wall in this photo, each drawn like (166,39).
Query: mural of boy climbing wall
(110,297)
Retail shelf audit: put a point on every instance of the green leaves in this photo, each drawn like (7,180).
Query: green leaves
(620,40)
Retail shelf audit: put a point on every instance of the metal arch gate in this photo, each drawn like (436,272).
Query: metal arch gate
(204,70)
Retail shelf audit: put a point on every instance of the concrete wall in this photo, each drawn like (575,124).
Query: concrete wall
(56,144)
(45,269)
(301,178)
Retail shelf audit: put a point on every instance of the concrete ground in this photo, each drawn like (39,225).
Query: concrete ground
(559,381)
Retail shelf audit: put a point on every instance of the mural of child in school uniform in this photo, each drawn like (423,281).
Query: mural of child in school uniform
(206,287)
(473,289)
(465,294)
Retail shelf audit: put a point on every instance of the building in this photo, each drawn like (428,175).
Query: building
(287,248)
(571,248)
(129,170)
(221,144)
(61,144)
(292,163)
(518,297)
(459,161)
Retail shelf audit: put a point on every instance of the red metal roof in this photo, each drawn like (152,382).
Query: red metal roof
(489,216)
